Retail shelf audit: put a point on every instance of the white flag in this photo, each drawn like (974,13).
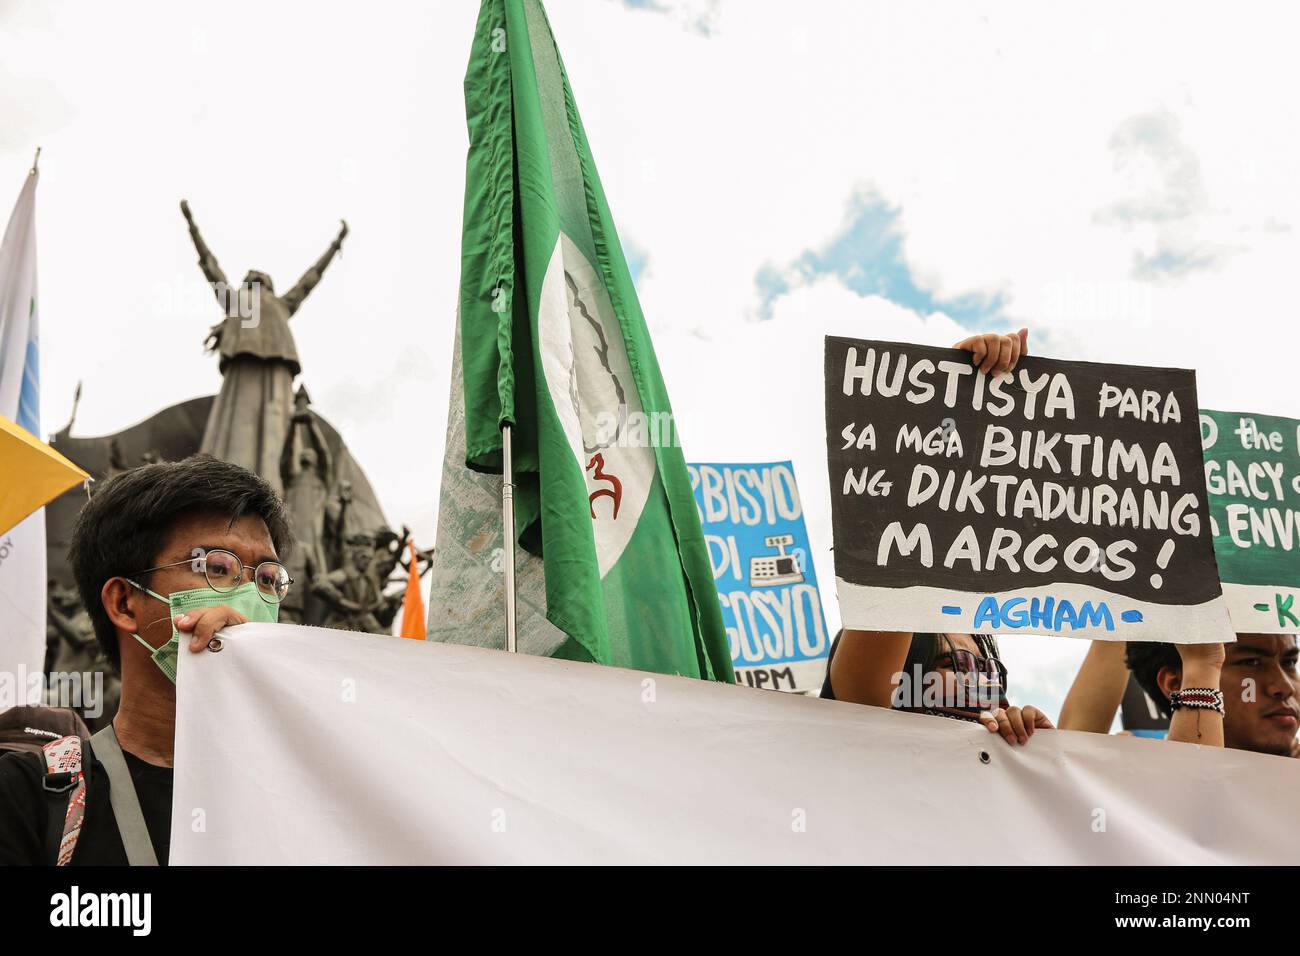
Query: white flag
(22,549)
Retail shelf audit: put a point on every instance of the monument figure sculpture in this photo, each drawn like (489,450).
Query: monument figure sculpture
(354,594)
(305,469)
(250,418)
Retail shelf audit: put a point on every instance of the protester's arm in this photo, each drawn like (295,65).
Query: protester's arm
(863,669)
(1202,667)
(866,662)
(1097,690)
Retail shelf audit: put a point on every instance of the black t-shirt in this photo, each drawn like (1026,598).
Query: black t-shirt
(24,812)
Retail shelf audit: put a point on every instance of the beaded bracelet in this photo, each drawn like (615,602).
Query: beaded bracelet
(1198,698)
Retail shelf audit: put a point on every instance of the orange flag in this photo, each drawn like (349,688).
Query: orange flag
(413,603)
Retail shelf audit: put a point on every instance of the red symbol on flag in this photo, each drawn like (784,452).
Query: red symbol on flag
(615,490)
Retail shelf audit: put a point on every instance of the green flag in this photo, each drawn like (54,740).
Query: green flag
(553,342)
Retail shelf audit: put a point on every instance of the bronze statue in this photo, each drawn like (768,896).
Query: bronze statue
(354,594)
(345,553)
(390,547)
(249,421)
(116,460)
(305,470)
(335,533)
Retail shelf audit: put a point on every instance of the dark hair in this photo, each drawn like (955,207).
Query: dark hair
(924,650)
(126,523)
(1145,659)
(927,648)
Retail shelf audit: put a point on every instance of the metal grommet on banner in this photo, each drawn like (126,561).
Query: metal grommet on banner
(984,754)
(215,645)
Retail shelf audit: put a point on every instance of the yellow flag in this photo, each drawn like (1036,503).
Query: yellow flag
(31,474)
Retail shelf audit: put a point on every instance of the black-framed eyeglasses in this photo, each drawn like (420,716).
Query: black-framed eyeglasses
(225,572)
(968,662)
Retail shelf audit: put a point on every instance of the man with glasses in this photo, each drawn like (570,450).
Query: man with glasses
(164,555)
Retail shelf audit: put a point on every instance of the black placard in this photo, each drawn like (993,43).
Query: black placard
(1066,497)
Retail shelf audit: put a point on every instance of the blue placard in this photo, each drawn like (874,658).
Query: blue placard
(758,546)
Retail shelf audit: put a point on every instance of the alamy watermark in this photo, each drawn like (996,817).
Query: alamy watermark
(628,429)
(242,300)
(920,688)
(1076,299)
(79,690)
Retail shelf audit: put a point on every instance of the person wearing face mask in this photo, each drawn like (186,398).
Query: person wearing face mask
(165,555)
(945,675)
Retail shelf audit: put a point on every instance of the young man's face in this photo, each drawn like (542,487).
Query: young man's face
(1262,669)
(248,539)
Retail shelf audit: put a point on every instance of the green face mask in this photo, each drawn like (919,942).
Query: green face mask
(246,599)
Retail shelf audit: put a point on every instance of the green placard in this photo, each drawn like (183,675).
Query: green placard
(1252,476)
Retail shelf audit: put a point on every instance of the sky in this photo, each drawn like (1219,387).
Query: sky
(1120,178)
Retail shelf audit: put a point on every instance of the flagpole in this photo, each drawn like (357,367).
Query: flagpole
(508,530)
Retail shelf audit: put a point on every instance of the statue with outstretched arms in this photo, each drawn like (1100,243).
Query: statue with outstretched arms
(251,416)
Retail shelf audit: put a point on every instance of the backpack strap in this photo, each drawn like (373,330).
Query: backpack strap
(125,801)
(64,786)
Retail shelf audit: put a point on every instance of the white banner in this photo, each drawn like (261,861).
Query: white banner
(305,745)
(22,549)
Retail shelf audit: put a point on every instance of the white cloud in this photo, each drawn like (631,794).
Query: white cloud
(1165,174)
(698,16)
(753,391)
